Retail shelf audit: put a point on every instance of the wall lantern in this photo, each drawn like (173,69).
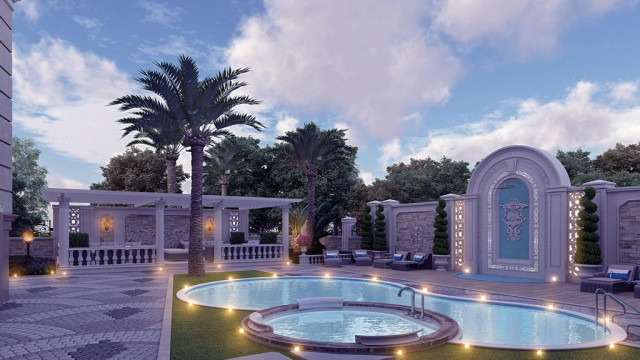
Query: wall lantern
(107,224)
(208,225)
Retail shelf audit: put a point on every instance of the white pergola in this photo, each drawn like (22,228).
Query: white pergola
(64,197)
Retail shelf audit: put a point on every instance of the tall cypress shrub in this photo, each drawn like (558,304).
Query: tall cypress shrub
(441,237)
(366,229)
(587,243)
(380,239)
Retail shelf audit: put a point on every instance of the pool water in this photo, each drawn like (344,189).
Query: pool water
(487,323)
(342,325)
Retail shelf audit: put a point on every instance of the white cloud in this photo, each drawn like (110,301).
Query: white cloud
(212,56)
(392,152)
(55,180)
(579,119)
(90,24)
(61,95)
(371,62)
(286,123)
(624,92)
(30,8)
(527,26)
(367,177)
(160,13)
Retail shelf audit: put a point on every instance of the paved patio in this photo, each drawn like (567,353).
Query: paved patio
(119,315)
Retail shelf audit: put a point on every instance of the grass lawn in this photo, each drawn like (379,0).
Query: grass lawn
(207,333)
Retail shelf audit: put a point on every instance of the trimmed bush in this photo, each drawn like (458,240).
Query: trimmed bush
(268,238)
(441,237)
(366,229)
(380,239)
(587,243)
(38,265)
(78,240)
(237,237)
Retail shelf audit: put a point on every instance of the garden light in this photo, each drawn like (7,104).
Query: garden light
(483,298)
(466,346)
(230,309)
(327,275)
(424,290)
(466,270)
(219,266)
(539,353)
(190,303)
(296,348)
(550,307)
(186,286)
(554,278)
(275,275)
(160,269)
(612,345)
(64,273)
(399,352)
(230,278)
(15,275)
(241,331)
(375,278)
(288,262)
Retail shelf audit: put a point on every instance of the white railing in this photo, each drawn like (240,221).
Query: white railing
(252,252)
(306,260)
(112,255)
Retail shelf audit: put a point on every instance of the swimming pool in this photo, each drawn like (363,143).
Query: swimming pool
(491,324)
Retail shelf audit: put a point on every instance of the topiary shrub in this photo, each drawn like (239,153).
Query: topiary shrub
(268,238)
(78,240)
(587,243)
(380,239)
(236,238)
(38,265)
(441,237)
(366,229)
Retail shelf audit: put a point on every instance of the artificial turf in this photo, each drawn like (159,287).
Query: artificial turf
(208,333)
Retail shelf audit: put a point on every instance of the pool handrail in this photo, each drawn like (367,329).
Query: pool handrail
(413,299)
(621,302)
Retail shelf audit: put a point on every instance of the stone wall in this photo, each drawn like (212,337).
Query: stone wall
(41,247)
(629,224)
(415,231)
(142,229)
(354,242)
(332,242)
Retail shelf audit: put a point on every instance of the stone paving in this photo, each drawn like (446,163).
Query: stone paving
(84,317)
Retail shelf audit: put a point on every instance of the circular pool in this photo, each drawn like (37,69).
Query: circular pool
(491,324)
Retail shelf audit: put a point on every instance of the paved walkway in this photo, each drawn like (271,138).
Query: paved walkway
(92,317)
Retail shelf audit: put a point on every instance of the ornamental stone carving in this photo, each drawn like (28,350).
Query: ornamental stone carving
(513,218)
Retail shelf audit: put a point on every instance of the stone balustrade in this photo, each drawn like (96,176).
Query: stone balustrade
(311,260)
(111,256)
(252,252)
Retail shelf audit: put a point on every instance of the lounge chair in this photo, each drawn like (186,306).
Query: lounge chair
(362,258)
(418,261)
(386,263)
(616,278)
(331,259)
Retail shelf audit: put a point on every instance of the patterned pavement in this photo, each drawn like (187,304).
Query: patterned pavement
(89,316)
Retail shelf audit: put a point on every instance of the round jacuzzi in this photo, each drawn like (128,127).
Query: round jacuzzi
(333,325)
(483,323)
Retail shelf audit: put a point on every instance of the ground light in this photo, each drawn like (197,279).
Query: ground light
(64,273)
(219,266)
(241,331)
(550,307)
(296,348)
(399,352)
(483,297)
(466,346)
(327,275)
(424,290)
(230,278)
(375,278)
(190,303)
(612,345)
(160,269)
(230,309)
(53,272)
(554,278)
(539,353)
(186,286)
(288,262)
(466,271)
(275,275)
(15,275)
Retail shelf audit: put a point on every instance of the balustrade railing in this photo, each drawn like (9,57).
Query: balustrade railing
(306,260)
(252,252)
(112,255)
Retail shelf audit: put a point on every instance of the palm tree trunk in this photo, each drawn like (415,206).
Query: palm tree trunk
(223,186)
(171,159)
(311,201)
(196,252)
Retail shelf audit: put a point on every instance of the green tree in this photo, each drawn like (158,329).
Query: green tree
(309,148)
(618,159)
(204,110)
(224,160)
(366,229)
(29,179)
(578,165)
(164,136)
(138,170)
(587,246)
(441,236)
(380,238)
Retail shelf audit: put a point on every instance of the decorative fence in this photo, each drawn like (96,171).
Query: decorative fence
(252,252)
(306,260)
(109,256)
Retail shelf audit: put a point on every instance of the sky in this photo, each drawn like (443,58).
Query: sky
(408,79)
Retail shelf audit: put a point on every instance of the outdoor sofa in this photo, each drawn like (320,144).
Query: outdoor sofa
(616,278)
(181,253)
(332,259)
(362,258)
(418,261)
(386,263)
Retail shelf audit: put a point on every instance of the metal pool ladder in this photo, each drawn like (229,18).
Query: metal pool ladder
(621,302)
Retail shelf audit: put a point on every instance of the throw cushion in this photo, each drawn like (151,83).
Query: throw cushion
(360,254)
(618,274)
(332,255)
(418,258)
(397,257)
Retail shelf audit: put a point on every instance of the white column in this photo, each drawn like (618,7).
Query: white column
(285,227)
(390,223)
(160,231)
(63,231)
(217,232)
(450,208)
(347,226)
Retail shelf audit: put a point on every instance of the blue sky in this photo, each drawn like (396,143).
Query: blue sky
(407,78)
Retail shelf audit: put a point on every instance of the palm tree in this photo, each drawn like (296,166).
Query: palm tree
(164,136)
(204,110)
(309,148)
(223,159)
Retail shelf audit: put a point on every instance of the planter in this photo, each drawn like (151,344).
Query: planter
(378,254)
(303,250)
(586,271)
(441,262)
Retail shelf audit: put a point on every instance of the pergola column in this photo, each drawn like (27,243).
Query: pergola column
(285,225)
(217,232)
(159,205)
(63,231)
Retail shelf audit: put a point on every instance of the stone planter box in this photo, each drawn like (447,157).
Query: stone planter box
(441,262)
(586,271)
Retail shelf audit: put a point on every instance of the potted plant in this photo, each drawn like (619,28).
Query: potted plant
(441,252)
(303,241)
(587,257)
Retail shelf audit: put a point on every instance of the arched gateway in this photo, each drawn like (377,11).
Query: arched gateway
(516,206)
